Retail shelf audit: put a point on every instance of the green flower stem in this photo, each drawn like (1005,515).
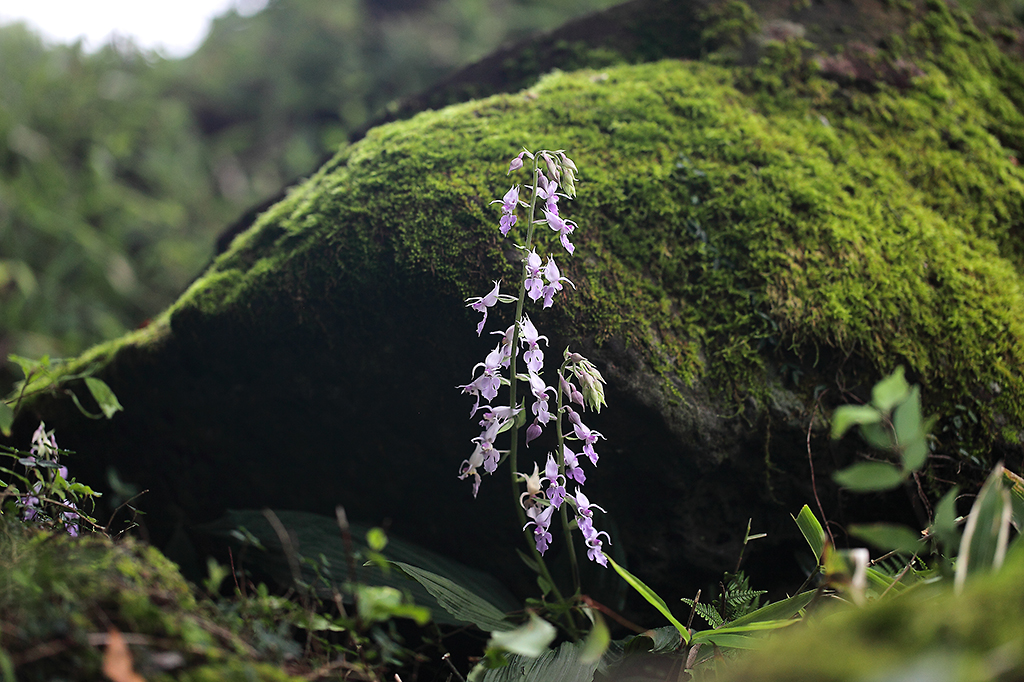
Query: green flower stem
(513,452)
(561,472)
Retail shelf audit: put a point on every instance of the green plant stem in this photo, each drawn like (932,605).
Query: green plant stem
(561,472)
(513,452)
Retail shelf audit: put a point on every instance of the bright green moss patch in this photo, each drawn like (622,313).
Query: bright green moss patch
(60,597)
(717,223)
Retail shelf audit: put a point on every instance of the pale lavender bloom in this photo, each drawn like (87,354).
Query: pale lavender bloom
(530,337)
(594,549)
(583,506)
(541,521)
(533,432)
(517,162)
(585,434)
(570,390)
(43,442)
(556,488)
(563,227)
(547,191)
(572,466)
(540,392)
(508,207)
(534,283)
(470,466)
(482,303)
(506,345)
(554,285)
(486,385)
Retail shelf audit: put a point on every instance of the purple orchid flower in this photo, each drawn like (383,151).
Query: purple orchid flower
(482,303)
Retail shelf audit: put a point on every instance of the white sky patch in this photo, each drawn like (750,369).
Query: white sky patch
(175,27)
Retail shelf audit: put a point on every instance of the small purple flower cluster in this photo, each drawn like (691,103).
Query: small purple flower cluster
(541,282)
(43,458)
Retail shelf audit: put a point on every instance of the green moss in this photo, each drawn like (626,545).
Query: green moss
(728,215)
(58,589)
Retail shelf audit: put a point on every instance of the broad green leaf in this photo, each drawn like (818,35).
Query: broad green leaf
(889,537)
(811,530)
(890,391)
(910,431)
(6,418)
(557,665)
(983,545)
(596,642)
(914,454)
(652,597)
(530,639)
(780,610)
(458,601)
(869,477)
(759,626)
(103,396)
(877,435)
(848,415)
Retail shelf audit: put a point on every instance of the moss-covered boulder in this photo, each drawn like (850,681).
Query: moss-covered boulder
(758,242)
(76,608)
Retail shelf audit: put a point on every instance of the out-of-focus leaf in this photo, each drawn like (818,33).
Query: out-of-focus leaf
(983,545)
(458,601)
(730,640)
(652,597)
(849,415)
(1016,498)
(596,642)
(869,477)
(103,396)
(780,610)
(889,537)
(890,391)
(531,639)
(811,530)
(558,665)
(6,418)
(944,527)
(877,435)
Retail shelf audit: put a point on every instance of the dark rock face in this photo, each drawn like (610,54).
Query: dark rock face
(757,244)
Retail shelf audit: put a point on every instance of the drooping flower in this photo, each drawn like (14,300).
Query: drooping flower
(508,208)
(530,337)
(469,468)
(533,486)
(572,466)
(554,285)
(541,521)
(548,191)
(563,227)
(482,303)
(486,385)
(555,490)
(534,269)
(517,161)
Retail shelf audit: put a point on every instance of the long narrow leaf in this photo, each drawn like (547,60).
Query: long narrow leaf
(780,610)
(811,530)
(987,532)
(730,640)
(652,597)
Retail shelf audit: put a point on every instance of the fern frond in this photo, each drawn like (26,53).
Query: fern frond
(706,611)
(743,598)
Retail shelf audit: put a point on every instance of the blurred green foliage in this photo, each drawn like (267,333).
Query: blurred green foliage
(118,168)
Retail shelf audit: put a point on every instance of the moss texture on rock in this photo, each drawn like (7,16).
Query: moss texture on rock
(61,596)
(749,233)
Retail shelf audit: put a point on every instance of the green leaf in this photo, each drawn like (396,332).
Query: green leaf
(597,641)
(890,391)
(987,533)
(103,396)
(811,530)
(848,415)
(730,640)
(877,436)
(563,664)
(530,639)
(1016,498)
(652,597)
(943,529)
(869,477)
(6,418)
(376,539)
(910,431)
(889,537)
(780,610)
(457,600)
